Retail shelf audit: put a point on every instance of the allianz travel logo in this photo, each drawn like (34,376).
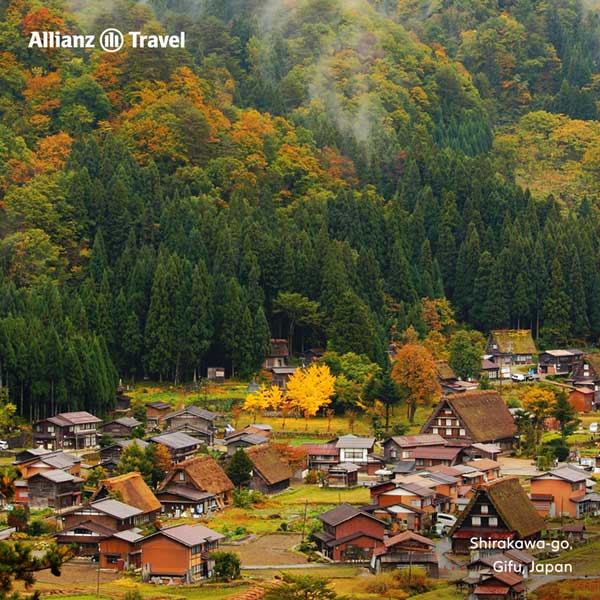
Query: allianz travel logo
(110,40)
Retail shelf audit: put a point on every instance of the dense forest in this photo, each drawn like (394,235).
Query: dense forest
(312,168)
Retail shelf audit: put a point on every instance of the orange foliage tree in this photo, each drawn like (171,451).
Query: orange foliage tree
(415,373)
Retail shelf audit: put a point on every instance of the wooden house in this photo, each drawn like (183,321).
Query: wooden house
(53,488)
(271,472)
(278,355)
(428,456)
(121,428)
(179,554)
(197,485)
(243,439)
(342,475)
(131,489)
(489,468)
(405,550)
(194,420)
(409,494)
(359,451)
(560,492)
(401,447)
(349,534)
(108,512)
(321,457)
(281,376)
(181,446)
(110,456)
(489,369)
(509,347)
(35,460)
(85,537)
(558,362)
(478,416)
(121,550)
(69,430)
(155,414)
(499,510)
(582,399)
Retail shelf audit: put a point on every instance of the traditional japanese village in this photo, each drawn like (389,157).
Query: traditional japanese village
(299,299)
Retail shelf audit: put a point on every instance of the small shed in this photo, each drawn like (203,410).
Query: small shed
(344,475)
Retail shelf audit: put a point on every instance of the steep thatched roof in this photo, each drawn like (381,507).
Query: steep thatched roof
(206,474)
(513,341)
(483,413)
(512,504)
(130,489)
(269,463)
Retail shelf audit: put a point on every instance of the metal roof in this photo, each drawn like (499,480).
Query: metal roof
(355,442)
(176,440)
(117,509)
(190,535)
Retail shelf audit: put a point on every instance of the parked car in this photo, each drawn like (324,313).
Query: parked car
(443,522)
(3,445)
(517,377)
(532,377)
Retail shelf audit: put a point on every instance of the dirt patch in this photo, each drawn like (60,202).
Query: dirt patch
(76,573)
(270,550)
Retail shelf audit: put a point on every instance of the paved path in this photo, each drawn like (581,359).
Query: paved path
(296,566)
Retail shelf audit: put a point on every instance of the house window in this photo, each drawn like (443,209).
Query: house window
(462,432)
(112,559)
(419,462)
(393,453)
(493,521)
(475,520)
(435,430)
(448,431)
(484,509)
(405,454)
(50,429)
(416,503)
(353,454)
(448,422)
(439,421)
(181,475)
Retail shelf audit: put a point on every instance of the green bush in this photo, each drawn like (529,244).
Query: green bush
(227,566)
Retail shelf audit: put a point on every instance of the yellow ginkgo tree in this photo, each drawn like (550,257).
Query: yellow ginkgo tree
(257,402)
(308,390)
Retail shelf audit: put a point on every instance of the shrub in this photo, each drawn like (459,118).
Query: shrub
(39,528)
(227,566)
(134,594)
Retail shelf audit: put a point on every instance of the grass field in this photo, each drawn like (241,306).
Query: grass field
(287,507)
(577,589)
(585,559)
(218,397)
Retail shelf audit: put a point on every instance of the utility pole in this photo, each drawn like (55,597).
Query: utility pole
(98,574)
(304,520)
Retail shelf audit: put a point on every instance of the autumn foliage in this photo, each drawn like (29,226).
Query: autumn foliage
(415,373)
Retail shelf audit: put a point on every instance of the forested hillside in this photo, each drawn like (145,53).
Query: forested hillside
(325,162)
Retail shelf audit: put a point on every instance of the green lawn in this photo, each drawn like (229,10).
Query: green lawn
(287,507)
(585,559)
(313,494)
